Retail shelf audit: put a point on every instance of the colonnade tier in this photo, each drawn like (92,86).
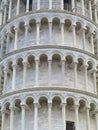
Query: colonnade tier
(31,31)
(33,102)
(49,55)
(60,69)
(10,9)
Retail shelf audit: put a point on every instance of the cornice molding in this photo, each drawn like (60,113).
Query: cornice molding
(60,89)
(49,47)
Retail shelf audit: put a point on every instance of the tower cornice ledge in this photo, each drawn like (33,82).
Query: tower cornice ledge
(43,89)
(48,47)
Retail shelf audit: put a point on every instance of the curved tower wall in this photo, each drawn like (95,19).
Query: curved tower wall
(48,64)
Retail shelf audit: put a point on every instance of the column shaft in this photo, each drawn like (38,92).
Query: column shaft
(1,17)
(83,33)
(94,79)
(97,121)
(75,74)
(16,39)
(27,5)
(95,12)
(62,4)
(3,121)
(5,78)
(92,43)
(23,117)
(24,74)
(35,116)
(5,14)
(63,73)
(18,7)
(8,42)
(11,119)
(50,32)
(73,5)
(62,33)
(14,76)
(88,119)
(83,9)
(49,116)
(2,45)
(86,77)
(37,73)
(97,46)
(38,4)
(74,34)
(10,9)
(49,72)
(90,9)
(50,4)
(26,32)
(76,117)
(64,116)
(38,34)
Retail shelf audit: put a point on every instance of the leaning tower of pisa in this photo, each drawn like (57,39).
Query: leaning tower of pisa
(48,64)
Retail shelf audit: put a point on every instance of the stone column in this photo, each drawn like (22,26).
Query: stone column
(94,81)
(96,45)
(95,12)
(11,118)
(92,42)
(26,31)
(90,9)
(37,72)
(23,107)
(96,120)
(83,8)
(3,119)
(16,38)
(1,16)
(18,7)
(14,76)
(2,45)
(83,38)
(64,115)
(24,73)
(73,5)
(50,32)
(62,4)
(63,72)
(50,4)
(38,33)
(5,14)
(62,33)
(86,77)
(35,116)
(49,72)
(75,75)
(27,5)
(74,34)
(5,78)
(10,9)
(88,118)
(49,116)
(38,4)
(76,117)
(8,42)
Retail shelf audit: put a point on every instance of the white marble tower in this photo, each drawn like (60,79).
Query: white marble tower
(48,64)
